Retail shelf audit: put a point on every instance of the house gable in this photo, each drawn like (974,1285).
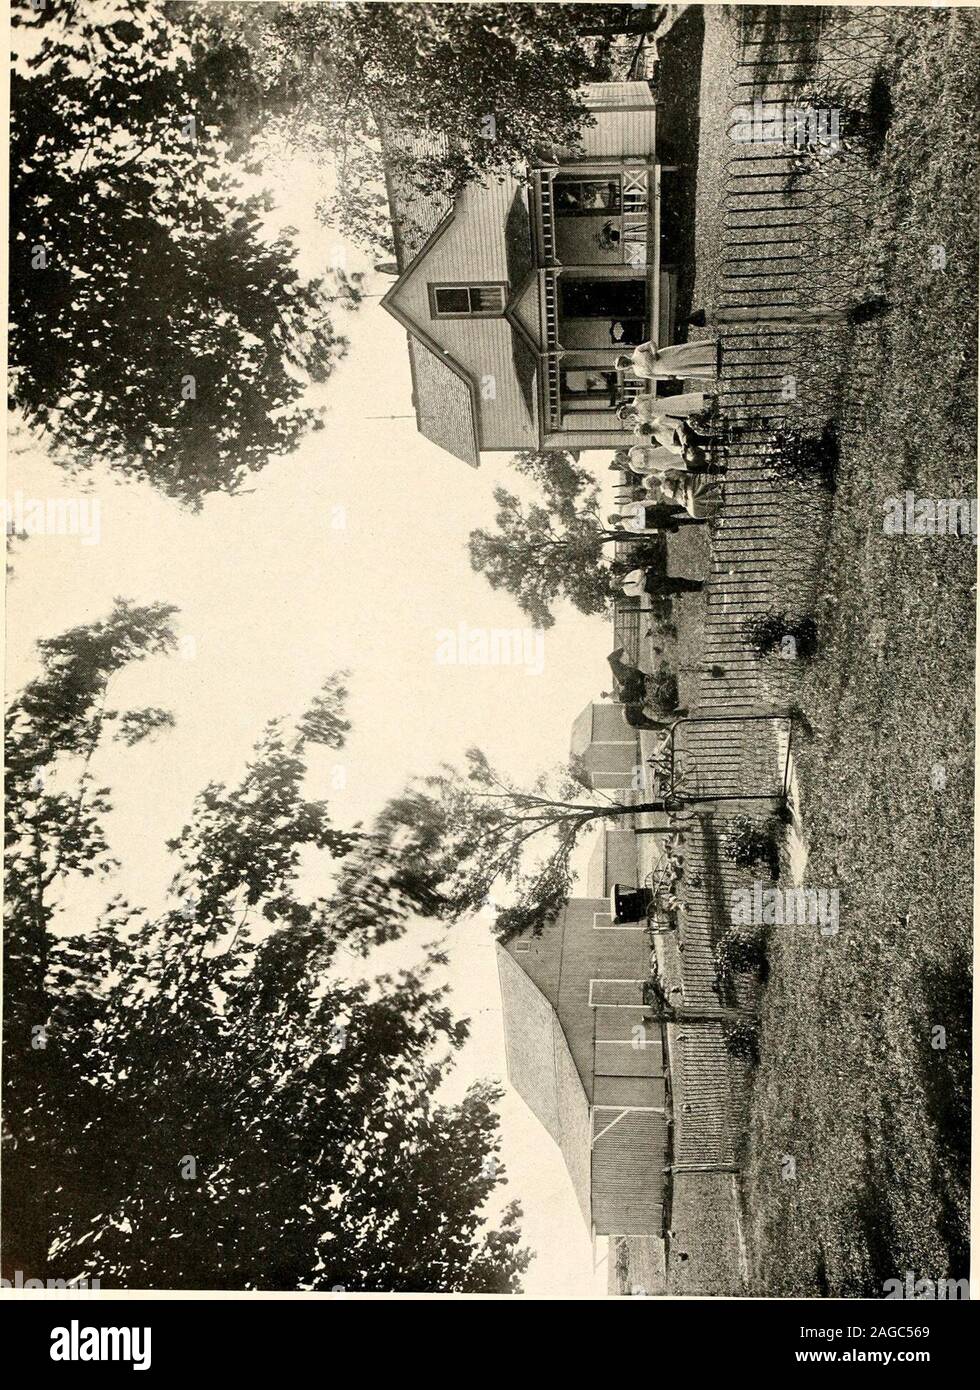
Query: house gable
(480,243)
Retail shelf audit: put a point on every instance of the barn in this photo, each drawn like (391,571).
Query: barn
(588,1058)
(604,749)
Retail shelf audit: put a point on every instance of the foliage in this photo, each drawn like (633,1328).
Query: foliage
(197,1098)
(862,121)
(457,93)
(661,689)
(475,832)
(550,549)
(157,326)
(777,634)
(742,1041)
(801,459)
(743,950)
(745,842)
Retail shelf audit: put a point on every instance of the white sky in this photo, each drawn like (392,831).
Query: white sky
(273,596)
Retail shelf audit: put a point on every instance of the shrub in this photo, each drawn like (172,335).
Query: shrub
(742,1042)
(661,689)
(803,459)
(776,633)
(743,951)
(745,842)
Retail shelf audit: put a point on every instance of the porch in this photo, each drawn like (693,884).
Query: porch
(603,289)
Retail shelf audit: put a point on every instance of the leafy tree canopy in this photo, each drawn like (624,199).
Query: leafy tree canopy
(474,833)
(198,1097)
(555,548)
(156,325)
(455,92)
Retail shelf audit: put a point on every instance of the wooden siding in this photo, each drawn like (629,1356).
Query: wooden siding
(622,1081)
(625,1058)
(471,250)
(563,961)
(613,860)
(625,122)
(628,1151)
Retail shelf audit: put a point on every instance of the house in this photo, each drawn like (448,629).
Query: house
(605,750)
(587,1057)
(518,295)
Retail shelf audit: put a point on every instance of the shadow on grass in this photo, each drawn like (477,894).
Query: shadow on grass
(678,93)
(877,1234)
(945,1078)
(880,112)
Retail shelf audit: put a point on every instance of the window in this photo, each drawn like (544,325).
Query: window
(522,946)
(466,301)
(615,993)
(587,197)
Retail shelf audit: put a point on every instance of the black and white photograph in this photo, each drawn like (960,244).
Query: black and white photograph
(491,517)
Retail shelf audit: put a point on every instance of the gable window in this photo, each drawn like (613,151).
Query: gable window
(466,301)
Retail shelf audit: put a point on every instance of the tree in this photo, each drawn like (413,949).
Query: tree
(476,831)
(556,548)
(435,95)
(215,1105)
(54,826)
(157,327)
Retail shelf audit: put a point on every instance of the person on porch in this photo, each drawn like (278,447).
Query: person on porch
(697,360)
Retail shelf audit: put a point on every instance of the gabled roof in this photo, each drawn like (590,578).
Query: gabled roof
(442,393)
(443,403)
(542,1071)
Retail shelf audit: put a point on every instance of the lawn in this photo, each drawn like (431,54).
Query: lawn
(865,1067)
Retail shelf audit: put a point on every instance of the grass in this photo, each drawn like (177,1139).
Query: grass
(864,1077)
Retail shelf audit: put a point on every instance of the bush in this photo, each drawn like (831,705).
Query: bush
(745,842)
(661,689)
(801,459)
(743,950)
(777,634)
(742,1042)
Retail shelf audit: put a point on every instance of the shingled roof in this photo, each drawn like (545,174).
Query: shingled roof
(442,397)
(542,1071)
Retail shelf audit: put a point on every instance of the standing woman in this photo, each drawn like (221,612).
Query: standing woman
(697,360)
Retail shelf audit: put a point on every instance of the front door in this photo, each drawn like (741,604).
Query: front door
(622,300)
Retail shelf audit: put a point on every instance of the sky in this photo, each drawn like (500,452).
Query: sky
(350,553)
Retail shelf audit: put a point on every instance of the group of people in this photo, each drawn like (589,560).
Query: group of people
(674,471)
(673,468)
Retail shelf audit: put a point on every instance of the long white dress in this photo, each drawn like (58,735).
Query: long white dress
(646,461)
(697,360)
(677,407)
